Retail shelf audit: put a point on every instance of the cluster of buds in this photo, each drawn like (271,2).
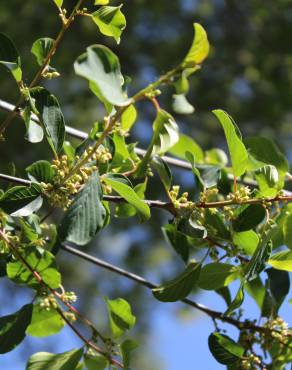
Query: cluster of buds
(209,195)
(48,302)
(241,195)
(252,362)
(229,212)
(178,201)
(3,219)
(70,316)
(69,297)
(277,330)
(49,75)
(100,155)
(59,193)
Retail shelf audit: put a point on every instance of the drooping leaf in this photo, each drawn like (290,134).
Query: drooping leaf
(127,347)
(21,201)
(41,171)
(279,285)
(187,143)
(217,275)
(41,48)
(101,67)
(163,171)
(9,57)
(179,287)
(50,361)
(51,117)
(224,349)
(180,104)
(44,322)
(281,260)
(199,49)
(249,218)
(42,261)
(110,21)
(130,196)
(237,150)
(86,215)
(120,315)
(13,327)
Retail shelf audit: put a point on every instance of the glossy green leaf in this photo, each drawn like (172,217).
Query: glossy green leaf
(127,347)
(179,287)
(41,171)
(101,67)
(120,315)
(237,150)
(44,322)
(247,241)
(187,143)
(41,48)
(281,260)
(21,201)
(224,349)
(9,57)
(180,104)
(130,196)
(199,49)
(50,361)
(110,21)
(86,215)
(42,261)
(97,362)
(163,171)
(51,117)
(249,217)
(217,275)
(13,327)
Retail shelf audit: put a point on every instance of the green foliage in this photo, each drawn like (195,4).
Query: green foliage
(224,349)
(9,57)
(120,316)
(41,49)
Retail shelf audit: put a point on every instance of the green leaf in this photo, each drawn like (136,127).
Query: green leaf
(44,322)
(34,132)
(130,196)
(187,143)
(13,327)
(120,315)
(256,290)
(237,301)
(50,361)
(279,285)
(262,253)
(179,287)
(237,150)
(126,209)
(287,231)
(249,218)
(41,171)
(224,349)
(59,3)
(51,117)
(281,260)
(178,240)
(267,178)
(163,171)
(9,57)
(199,49)
(247,241)
(21,201)
(41,261)
(257,147)
(217,275)
(129,117)
(101,67)
(127,347)
(180,104)
(86,215)
(41,48)
(110,21)
(96,362)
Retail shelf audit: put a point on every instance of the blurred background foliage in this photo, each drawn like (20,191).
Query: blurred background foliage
(248,73)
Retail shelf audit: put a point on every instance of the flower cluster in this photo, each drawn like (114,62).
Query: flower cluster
(48,302)
(182,200)
(252,362)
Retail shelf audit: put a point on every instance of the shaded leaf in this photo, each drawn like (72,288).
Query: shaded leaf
(9,57)
(41,171)
(224,349)
(121,317)
(249,218)
(187,143)
(217,275)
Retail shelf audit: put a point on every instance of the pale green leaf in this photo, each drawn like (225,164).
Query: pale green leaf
(120,315)
(199,49)
(281,260)
(186,143)
(41,48)
(44,322)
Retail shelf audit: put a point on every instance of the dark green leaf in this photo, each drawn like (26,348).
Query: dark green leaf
(13,327)
(127,347)
(279,285)
(49,361)
(178,240)
(217,275)
(224,349)
(41,171)
(86,215)
(163,171)
(249,218)
(9,57)
(179,287)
